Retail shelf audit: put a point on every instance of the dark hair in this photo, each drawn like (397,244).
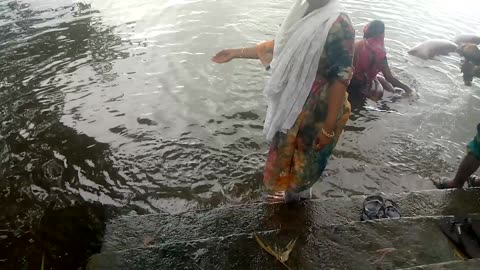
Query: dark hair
(374,28)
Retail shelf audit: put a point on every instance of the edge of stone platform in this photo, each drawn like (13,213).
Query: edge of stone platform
(319,200)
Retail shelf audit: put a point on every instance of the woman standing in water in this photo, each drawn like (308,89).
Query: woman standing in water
(311,64)
(370,59)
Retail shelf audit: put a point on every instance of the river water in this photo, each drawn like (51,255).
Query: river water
(109,107)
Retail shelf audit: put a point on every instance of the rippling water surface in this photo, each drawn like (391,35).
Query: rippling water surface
(116,104)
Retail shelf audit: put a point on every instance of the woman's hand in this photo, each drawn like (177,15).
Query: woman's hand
(245,53)
(321,141)
(224,56)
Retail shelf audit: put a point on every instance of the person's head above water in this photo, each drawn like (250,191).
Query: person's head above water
(374,29)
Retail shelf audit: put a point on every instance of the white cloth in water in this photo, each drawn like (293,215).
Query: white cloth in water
(298,47)
(374,90)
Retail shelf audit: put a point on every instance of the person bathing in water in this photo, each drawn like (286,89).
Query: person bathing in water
(467,168)
(471,63)
(369,60)
(311,65)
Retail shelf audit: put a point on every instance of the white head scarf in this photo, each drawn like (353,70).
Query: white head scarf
(298,47)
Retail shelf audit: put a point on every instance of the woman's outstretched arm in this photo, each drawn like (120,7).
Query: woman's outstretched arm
(262,51)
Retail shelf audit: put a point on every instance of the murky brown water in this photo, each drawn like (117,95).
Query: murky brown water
(115,105)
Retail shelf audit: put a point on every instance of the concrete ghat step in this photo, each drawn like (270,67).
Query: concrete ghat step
(131,231)
(455,265)
(412,242)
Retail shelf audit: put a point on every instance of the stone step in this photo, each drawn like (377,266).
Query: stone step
(406,243)
(455,265)
(131,231)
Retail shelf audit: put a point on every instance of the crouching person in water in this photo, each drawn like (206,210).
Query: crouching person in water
(469,165)
(471,62)
(369,60)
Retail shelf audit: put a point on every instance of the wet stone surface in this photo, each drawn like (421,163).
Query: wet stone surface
(328,231)
(405,243)
(130,232)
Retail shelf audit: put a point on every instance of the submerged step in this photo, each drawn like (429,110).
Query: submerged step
(384,244)
(133,231)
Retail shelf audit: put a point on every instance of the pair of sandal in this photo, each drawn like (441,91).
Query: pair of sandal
(376,207)
(443,183)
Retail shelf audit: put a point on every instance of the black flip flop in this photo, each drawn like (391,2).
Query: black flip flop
(373,208)
(391,210)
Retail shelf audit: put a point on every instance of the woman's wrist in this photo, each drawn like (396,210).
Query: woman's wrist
(328,134)
(240,53)
(235,53)
(246,53)
(329,126)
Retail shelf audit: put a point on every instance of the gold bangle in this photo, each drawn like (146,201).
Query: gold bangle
(330,136)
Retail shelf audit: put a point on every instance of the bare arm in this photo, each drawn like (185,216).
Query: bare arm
(228,55)
(247,53)
(262,51)
(335,104)
(387,73)
(339,54)
(336,99)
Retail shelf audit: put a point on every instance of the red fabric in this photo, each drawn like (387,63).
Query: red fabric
(370,57)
